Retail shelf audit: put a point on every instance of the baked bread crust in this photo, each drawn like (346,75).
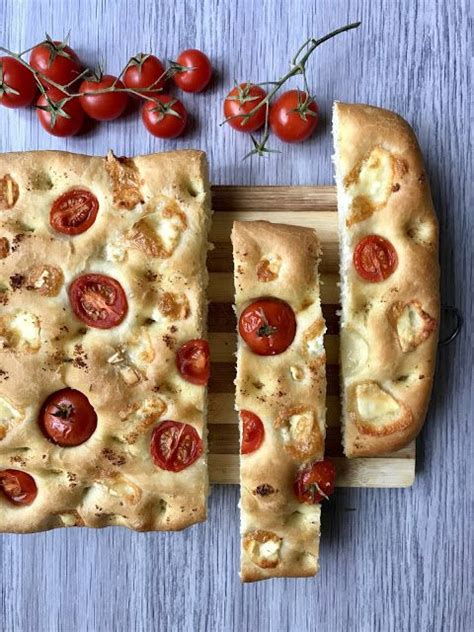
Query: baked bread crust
(389,329)
(280,261)
(128,372)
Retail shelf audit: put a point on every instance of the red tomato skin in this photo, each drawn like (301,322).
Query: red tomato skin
(103,107)
(18,487)
(253,432)
(73,199)
(258,317)
(145,75)
(77,425)
(197,79)
(19,78)
(375,258)
(192,361)
(322,475)
(116,311)
(169,126)
(179,439)
(61,70)
(288,125)
(233,108)
(63,127)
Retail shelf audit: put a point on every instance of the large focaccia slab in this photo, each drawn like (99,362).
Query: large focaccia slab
(389,279)
(150,236)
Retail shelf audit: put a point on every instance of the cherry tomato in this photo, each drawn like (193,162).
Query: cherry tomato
(74,212)
(18,487)
(375,259)
(315,481)
(192,360)
(268,326)
(105,106)
(175,446)
(252,432)
(194,70)
(51,118)
(67,418)
(17,83)
(56,61)
(239,102)
(165,117)
(144,71)
(98,300)
(294,116)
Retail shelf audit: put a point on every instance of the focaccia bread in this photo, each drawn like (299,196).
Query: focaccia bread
(389,279)
(280,397)
(102,282)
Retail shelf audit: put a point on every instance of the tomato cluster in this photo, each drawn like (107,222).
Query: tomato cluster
(69,93)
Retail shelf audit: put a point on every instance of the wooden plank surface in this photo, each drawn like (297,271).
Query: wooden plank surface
(391,560)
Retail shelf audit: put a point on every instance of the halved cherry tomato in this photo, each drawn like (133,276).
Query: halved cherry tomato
(194,70)
(294,116)
(18,487)
(98,300)
(74,212)
(315,481)
(56,61)
(175,446)
(375,259)
(239,102)
(252,432)
(192,360)
(17,84)
(145,71)
(268,326)
(105,106)
(59,119)
(67,418)
(165,117)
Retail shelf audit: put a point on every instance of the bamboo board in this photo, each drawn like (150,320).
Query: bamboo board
(304,206)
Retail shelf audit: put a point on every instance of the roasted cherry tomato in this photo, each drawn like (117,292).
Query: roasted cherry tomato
(175,446)
(105,106)
(165,117)
(59,119)
(375,259)
(315,481)
(193,70)
(268,326)
(294,116)
(98,300)
(18,487)
(239,102)
(74,212)
(252,432)
(192,360)
(17,84)
(56,61)
(145,71)
(67,418)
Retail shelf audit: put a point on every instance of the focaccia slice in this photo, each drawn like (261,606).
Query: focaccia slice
(102,291)
(280,397)
(389,279)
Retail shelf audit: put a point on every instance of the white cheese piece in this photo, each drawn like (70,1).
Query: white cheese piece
(9,416)
(354,351)
(375,177)
(24,328)
(375,405)
(116,252)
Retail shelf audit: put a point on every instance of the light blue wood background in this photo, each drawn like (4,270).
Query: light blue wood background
(391,560)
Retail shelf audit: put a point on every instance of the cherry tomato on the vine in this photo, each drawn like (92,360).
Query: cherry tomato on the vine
(165,116)
(193,70)
(145,71)
(59,118)
(294,116)
(17,83)
(105,106)
(239,102)
(56,61)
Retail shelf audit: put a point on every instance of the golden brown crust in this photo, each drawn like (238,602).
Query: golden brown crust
(129,372)
(280,536)
(389,329)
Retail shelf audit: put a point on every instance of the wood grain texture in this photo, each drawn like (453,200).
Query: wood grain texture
(391,560)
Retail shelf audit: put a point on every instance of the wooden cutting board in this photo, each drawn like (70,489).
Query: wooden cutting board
(304,206)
